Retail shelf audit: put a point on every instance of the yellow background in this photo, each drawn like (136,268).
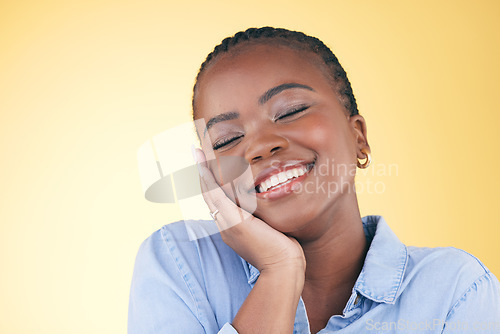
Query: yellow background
(84,84)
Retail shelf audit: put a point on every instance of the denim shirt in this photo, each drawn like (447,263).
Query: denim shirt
(187,280)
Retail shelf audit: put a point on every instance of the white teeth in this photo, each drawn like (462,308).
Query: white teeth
(274,180)
(281,178)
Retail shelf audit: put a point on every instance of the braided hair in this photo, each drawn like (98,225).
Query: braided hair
(292,39)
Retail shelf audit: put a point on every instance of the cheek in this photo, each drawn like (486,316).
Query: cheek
(330,137)
(229,168)
(234,175)
(237,191)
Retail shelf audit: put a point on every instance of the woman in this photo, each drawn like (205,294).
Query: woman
(301,259)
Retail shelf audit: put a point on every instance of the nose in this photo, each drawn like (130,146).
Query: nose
(265,146)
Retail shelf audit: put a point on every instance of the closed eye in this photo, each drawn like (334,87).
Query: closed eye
(291,112)
(225,142)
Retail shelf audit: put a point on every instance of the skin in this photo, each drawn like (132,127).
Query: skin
(307,243)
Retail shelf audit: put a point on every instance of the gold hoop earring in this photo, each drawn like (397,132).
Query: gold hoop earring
(368,160)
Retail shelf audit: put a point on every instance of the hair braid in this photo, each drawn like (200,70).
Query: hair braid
(292,39)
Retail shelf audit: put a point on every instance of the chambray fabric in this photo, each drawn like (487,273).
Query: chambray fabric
(187,280)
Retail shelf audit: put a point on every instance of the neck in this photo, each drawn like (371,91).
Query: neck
(335,257)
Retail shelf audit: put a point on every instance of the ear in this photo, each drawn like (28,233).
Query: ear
(358,126)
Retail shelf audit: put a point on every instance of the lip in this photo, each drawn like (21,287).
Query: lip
(276,169)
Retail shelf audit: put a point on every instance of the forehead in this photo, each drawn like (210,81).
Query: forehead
(248,71)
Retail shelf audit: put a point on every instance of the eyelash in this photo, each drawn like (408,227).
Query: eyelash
(226,141)
(291,112)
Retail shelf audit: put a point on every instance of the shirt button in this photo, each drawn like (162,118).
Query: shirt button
(356,301)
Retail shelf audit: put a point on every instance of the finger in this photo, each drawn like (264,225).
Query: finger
(211,206)
(200,159)
(229,213)
(199,156)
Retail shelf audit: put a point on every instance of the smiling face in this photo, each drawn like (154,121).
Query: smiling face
(276,109)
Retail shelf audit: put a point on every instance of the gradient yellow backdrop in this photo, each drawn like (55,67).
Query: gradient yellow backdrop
(84,83)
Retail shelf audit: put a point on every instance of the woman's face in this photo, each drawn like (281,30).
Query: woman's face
(274,109)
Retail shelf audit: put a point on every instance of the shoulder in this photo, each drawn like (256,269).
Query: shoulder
(180,235)
(443,272)
(445,261)
(191,254)
(455,282)
(184,270)
(185,245)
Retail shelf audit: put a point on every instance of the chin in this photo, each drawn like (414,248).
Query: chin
(286,221)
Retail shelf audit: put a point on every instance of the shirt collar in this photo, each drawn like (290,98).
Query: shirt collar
(385,263)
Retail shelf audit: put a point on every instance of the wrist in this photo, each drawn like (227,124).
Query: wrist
(293,273)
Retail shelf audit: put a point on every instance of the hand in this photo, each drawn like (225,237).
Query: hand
(255,241)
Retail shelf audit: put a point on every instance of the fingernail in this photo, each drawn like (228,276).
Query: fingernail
(193,152)
(195,157)
(200,169)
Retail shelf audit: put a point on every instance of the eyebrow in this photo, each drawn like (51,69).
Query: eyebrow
(278,89)
(220,118)
(263,99)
